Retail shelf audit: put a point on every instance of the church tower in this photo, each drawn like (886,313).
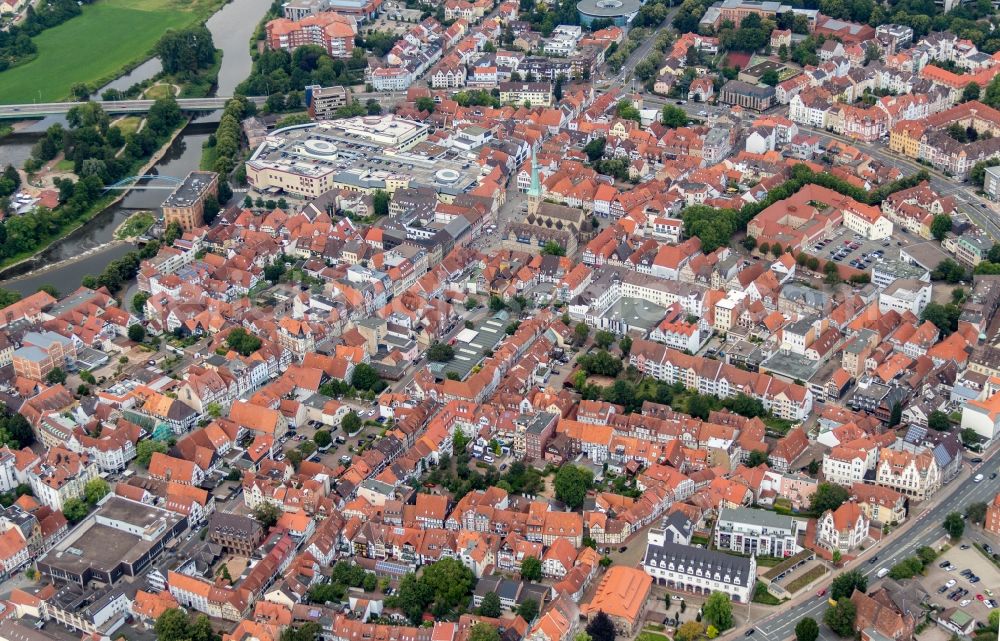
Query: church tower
(535,190)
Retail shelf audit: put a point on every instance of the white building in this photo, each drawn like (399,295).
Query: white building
(697,570)
(847,465)
(757,532)
(983,416)
(905,295)
(916,475)
(843,529)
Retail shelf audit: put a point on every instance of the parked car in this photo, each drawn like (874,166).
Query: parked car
(950,583)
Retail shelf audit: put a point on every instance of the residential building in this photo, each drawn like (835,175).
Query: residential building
(754,532)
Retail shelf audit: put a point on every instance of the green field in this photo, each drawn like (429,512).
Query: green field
(97,45)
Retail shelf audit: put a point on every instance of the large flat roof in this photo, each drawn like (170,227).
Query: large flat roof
(103,547)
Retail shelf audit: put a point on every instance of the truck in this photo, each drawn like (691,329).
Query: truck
(881,573)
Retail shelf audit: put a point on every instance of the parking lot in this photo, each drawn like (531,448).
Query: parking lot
(344,447)
(852,249)
(966,580)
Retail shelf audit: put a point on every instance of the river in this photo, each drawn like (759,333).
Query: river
(231,27)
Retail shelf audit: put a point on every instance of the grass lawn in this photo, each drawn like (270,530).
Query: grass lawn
(159,91)
(136,225)
(647,635)
(761,595)
(128,124)
(65,165)
(802,581)
(97,45)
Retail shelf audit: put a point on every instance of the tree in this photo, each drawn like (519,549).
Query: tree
(186,50)
(971,92)
(840,618)
(595,148)
(15,431)
(832,272)
(267,514)
(938,420)
(172,233)
(351,423)
(483,632)
(528,610)
(601,628)
(365,377)
(172,625)
(425,103)
(75,510)
(806,629)
(673,117)
(770,77)
(954,525)
(95,490)
(380,203)
(325,592)
(145,449)
(491,606)
(571,485)
(552,248)
(940,226)
(580,333)
(948,270)
(322,438)
(139,302)
(56,376)
(531,569)
(756,458)
(625,345)
(718,610)
(604,339)
(450,581)
(828,496)
(306,632)
(945,317)
(239,340)
(689,630)
(843,585)
(136,333)
(897,414)
(836,557)
(440,352)
(976,512)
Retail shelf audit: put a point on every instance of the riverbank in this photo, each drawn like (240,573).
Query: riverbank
(11,283)
(81,51)
(9,265)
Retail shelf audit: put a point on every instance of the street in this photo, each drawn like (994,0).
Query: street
(923,530)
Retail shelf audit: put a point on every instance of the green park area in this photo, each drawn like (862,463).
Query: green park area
(94,47)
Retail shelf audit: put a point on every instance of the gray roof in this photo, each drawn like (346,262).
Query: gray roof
(761,518)
(688,560)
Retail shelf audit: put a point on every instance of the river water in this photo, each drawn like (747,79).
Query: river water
(231,27)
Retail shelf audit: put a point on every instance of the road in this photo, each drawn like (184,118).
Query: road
(925,530)
(640,53)
(31,110)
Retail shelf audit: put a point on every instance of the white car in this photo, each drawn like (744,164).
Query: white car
(965,602)
(950,584)
(977,478)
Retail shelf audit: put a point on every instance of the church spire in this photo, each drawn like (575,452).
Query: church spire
(535,190)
